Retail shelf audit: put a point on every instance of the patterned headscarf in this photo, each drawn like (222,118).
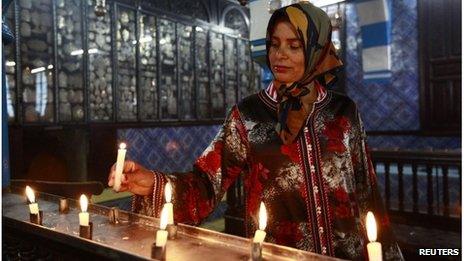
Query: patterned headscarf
(314,30)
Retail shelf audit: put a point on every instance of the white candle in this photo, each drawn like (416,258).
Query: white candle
(374,249)
(168,205)
(119,166)
(162,234)
(260,234)
(33,206)
(84,215)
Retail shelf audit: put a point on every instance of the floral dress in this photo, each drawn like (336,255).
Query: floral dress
(317,190)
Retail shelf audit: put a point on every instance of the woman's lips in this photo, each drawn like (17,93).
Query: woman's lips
(281,69)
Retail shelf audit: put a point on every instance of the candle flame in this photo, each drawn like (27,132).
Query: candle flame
(371,227)
(30,194)
(262,216)
(168,192)
(164,218)
(84,203)
(122,146)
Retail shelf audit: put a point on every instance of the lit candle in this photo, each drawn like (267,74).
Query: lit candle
(33,206)
(84,215)
(162,234)
(168,205)
(374,249)
(119,166)
(260,234)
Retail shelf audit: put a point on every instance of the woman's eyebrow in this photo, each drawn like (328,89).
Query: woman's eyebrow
(288,39)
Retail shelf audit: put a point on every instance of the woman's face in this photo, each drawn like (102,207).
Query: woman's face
(286,54)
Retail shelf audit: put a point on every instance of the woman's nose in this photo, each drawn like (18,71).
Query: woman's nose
(281,53)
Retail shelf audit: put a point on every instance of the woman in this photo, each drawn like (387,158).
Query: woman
(301,150)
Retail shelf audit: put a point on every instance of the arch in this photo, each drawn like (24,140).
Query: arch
(201,11)
(238,12)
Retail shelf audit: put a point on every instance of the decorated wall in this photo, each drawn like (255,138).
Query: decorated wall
(391,105)
(385,106)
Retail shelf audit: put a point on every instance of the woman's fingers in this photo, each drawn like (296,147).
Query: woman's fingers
(135,178)
(124,187)
(129,166)
(111,179)
(124,179)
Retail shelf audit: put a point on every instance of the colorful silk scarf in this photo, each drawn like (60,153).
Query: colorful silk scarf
(314,29)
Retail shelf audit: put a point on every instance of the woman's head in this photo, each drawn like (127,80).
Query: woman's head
(299,46)
(286,53)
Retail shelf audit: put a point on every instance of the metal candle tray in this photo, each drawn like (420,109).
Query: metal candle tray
(132,237)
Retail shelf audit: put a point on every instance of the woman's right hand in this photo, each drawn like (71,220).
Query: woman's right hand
(135,178)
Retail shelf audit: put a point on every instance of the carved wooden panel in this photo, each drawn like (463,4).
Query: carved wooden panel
(440,54)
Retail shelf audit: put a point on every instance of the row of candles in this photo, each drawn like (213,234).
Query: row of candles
(168,229)
(34,206)
(36,215)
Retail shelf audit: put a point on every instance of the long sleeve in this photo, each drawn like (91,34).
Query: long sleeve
(368,195)
(196,193)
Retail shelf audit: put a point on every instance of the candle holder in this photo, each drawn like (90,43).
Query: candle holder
(86,231)
(63,207)
(113,215)
(36,218)
(172,231)
(256,251)
(158,252)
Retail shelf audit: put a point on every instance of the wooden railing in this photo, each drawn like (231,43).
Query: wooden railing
(420,187)
(436,173)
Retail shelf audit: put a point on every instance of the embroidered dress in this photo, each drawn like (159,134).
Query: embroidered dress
(317,190)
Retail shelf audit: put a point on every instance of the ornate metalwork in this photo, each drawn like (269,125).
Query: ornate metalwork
(126,43)
(186,71)
(217,74)
(245,69)
(202,72)
(131,64)
(168,69)
(148,67)
(235,20)
(70,54)
(36,32)
(230,50)
(100,87)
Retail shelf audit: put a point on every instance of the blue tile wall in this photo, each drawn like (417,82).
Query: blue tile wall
(167,149)
(393,105)
(390,105)
(415,142)
(172,149)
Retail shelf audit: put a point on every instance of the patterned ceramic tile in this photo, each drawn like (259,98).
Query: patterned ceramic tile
(168,149)
(415,142)
(393,105)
